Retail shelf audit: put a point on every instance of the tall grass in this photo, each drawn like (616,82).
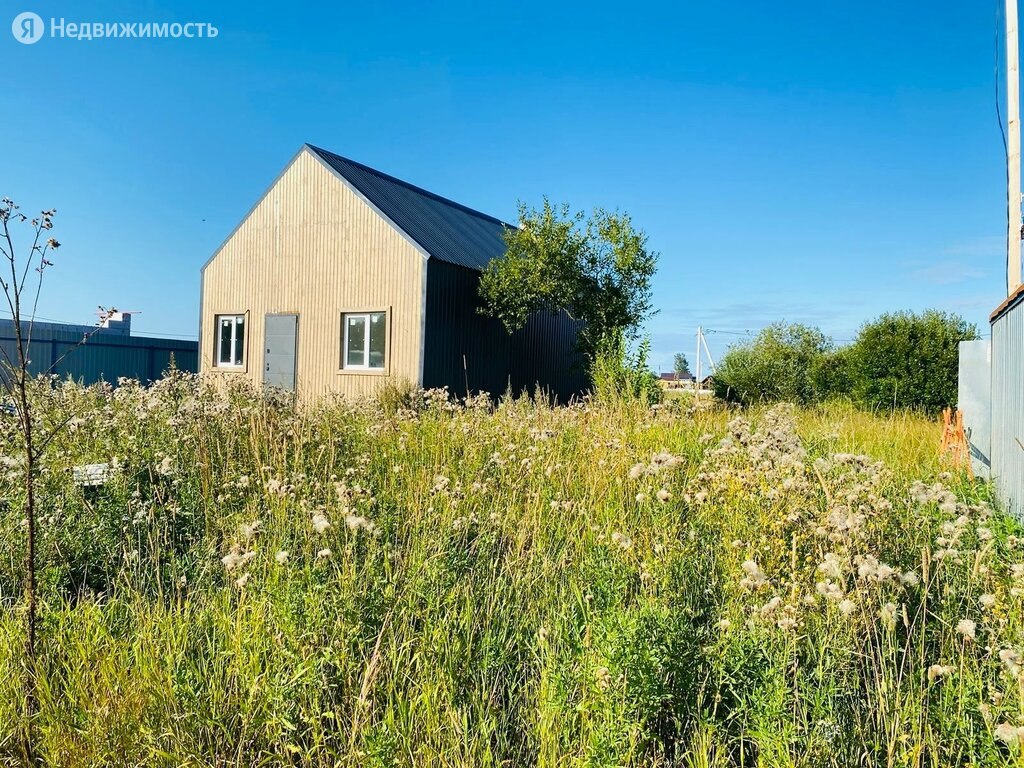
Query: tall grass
(429,583)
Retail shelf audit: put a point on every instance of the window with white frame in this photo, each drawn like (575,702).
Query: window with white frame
(230,340)
(364,341)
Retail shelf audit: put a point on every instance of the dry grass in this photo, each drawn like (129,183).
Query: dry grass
(430,584)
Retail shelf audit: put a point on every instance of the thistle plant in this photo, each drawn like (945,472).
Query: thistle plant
(22,285)
(439,582)
(15,379)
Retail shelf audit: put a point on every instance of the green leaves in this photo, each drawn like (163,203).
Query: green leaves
(597,269)
(778,365)
(680,365)
(907,360)
(899,360)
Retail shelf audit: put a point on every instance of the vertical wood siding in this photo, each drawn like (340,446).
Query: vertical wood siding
(314,247)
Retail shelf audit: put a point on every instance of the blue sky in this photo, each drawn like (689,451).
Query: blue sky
(807,161)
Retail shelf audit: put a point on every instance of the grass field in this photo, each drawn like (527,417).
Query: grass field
(415,583)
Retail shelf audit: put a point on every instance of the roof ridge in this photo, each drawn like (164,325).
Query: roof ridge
(419,190)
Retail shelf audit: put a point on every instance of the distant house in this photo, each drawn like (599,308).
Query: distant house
(110,352)
(674,378)
(342,277)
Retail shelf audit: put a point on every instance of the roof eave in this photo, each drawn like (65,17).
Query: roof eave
(1007,304)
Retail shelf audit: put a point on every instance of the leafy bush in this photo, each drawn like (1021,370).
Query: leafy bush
(900,360)
(779,365)
(907,360)
(620,375)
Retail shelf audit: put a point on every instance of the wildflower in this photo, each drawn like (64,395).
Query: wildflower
(320,523)
(542,634)
(636,471)
(868,567)
(622,540)
(788,622)
(771,605)
(724,624)
(241,580)
(888,615)
(166,466)
(984,534)
(355,522)
(664,460)
(235,558)
(248,531)
(641,498)
(323,554)
(829,590)
(831,566)
(1009,734)
(604,678)
(281,557)
(938,671)
(846,607)
(909,579)
(966,627)
(987,601)
(884,572)
(1012,660)
(664,495)
(755,577)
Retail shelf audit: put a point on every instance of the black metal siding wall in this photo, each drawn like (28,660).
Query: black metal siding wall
(462,346)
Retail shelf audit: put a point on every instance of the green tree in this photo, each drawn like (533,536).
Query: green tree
(682,365)
(908,360)
(597,269)
(781,363)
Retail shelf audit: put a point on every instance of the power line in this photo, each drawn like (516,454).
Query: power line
(730,333)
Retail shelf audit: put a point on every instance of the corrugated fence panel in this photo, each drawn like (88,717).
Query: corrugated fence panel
(1008,406)
(104,356)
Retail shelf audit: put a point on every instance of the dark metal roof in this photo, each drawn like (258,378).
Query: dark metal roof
(445,229)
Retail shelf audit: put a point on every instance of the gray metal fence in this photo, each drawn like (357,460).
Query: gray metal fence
(974,399)
(106,355)
(1008,404)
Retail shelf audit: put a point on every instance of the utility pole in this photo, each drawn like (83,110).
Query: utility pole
(711,360)
(1013,215)
(696,380)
